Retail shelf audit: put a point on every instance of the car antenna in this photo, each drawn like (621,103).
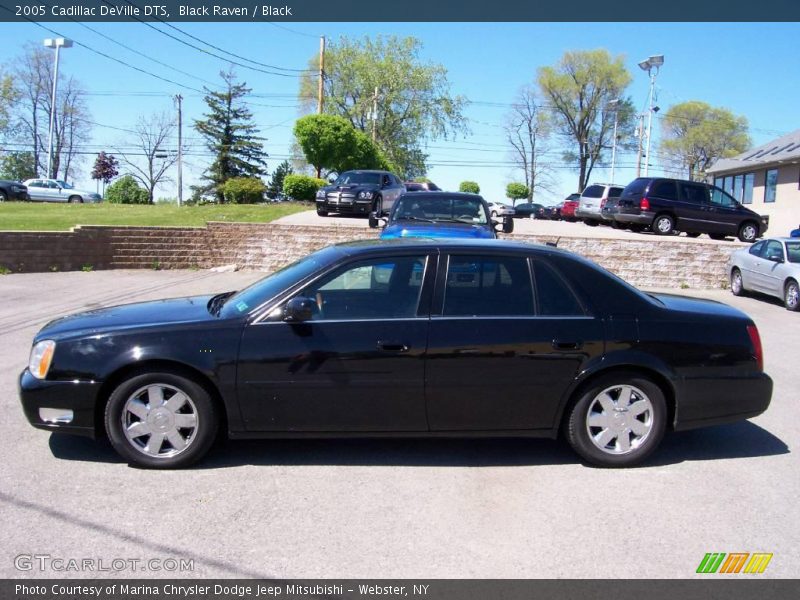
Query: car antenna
(553,244)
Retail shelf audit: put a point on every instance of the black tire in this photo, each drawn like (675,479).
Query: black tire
(322,213)
(737,283)
(198,437)
(791,296)
(588,445)
(494,214)
(635,228)
(748,232)
(692,234)
(75,200)
(663,224)
(592,222)
(3,196)
(616,225)
(717,236)
(377,206)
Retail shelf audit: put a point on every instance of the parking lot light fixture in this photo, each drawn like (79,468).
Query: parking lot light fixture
(652,65)
(56,43)
(614,105)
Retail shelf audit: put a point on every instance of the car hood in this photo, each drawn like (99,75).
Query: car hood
(437,230)
(698,306)
(141,314)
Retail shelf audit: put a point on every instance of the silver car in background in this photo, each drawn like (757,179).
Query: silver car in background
(593,199)
(771,266)
(498,209)
(57,190)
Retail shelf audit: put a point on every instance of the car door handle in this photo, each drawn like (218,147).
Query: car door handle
(392,346)
(561,345)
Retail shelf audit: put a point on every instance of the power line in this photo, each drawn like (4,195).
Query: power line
(291,30)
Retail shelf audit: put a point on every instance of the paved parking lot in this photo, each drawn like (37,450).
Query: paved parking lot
(392,508)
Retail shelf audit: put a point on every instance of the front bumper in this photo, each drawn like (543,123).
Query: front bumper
(345,205)
(706,401)
(80,397)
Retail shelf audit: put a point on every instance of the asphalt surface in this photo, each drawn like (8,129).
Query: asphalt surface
(390,508)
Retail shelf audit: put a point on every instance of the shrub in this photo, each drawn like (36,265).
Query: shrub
(125,190)
(243,190)
(302,187)
(469,187)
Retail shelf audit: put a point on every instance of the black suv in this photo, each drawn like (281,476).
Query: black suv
(360,192)
(667,205)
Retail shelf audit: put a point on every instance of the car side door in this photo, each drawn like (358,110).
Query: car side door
(773,268)
(749,262)
(724,213)
(499,355)
(356,365)
(37,191)
(694,207)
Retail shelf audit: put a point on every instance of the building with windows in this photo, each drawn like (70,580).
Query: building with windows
(767,180)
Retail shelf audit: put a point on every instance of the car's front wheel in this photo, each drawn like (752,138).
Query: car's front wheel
(377,206)
(737,285)
(618,421)
(748,232)
(791,296)
(75,200)
(161,420)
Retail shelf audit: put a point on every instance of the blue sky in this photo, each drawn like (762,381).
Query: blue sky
(750,68)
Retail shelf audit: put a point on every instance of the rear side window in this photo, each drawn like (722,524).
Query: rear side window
(664,189)
(488,286)
(696,194)
(554,295)
(636,187)
(594,191)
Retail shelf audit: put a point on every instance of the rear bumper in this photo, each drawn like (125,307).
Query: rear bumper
(712,401)
(79,397)
(638,218)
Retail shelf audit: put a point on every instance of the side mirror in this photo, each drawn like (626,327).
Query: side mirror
(375,221)
(507,225)
(776,258)
(299,309)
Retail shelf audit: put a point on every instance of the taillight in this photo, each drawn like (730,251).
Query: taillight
(603,202)
(758,351)
(644,204)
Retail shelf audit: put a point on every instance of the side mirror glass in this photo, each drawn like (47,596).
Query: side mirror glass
(776,258)
(299,309)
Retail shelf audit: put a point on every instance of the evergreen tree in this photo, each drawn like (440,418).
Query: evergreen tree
(276,184)
(231,135)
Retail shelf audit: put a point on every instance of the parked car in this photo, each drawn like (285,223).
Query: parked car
(529,210)
(668,205)
(569,206)
(771,266)
(441,215)
(401,337)
(421,186)
(498,209)
(360,192)
(552,212)
(12,190)
(610,208)
(57,190)
(592,200)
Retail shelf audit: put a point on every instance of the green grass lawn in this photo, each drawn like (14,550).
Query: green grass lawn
(41,216)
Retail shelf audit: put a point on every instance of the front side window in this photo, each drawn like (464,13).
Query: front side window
(380,288)
(755,249)
(488,286)
(720,198)
(771,185)
(773,250)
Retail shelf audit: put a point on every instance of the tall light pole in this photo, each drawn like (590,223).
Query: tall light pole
(56,43)
(615,104)
(652,65)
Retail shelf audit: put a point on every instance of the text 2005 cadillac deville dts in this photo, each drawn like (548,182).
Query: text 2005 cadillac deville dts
(402,338)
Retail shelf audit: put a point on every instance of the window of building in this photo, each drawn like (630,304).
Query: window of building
(747,189)
(718,181)
(771,185)
(737,187)
(728,184)
(488,286)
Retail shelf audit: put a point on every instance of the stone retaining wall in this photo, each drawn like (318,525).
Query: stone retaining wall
(268,246)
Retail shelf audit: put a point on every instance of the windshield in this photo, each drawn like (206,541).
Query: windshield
(351,177)
(793,252)
(442,208)
(63,184)
(272,285)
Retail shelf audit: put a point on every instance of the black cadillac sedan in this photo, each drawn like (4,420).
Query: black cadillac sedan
(407,337)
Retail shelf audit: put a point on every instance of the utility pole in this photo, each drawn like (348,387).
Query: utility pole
(56,43)
(375,114)
(179,100)
(639,133)
(320,86)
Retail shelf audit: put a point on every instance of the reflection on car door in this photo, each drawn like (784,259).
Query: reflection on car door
(773,270)
(498,353)
(357,365)
(750,262)
(37,190)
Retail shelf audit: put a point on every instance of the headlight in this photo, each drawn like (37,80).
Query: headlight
(41,357)
(365,195)
(320,194)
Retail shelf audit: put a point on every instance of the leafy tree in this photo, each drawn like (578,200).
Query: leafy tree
(276,182)
(580,88)
(126,190)
(517,191)
(17,166)
(469,187)
(152,156)
(244,190)
(231,135)
(105,168)
(9,96)
(528,128)
(302,187)
(413,102)
(695,134)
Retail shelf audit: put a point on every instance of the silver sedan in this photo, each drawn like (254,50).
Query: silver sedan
(771,266)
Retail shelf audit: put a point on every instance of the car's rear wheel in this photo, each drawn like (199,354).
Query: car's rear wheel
(3,196)
(717,236)
(75,200)
(737,285)
(748,232)
(636,228)
(692,234)
(592,222)
(791,296)
(618,421)
(161,420)
(663,224)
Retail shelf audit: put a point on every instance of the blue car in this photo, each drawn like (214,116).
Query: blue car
(440,215)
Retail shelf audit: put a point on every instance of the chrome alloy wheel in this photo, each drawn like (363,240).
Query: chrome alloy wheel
(160,420)
(736,282)
(620,419)
(664,225)
(792,296)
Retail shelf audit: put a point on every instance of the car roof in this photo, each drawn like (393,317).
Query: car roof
(427,244)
